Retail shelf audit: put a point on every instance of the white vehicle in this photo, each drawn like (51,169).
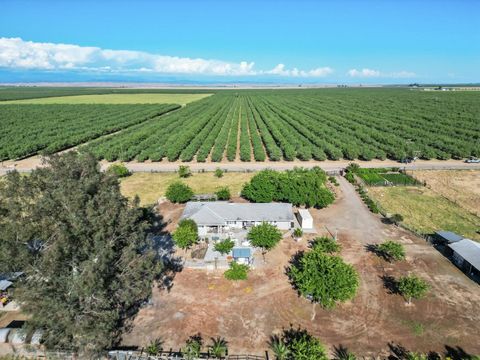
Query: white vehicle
(473,161)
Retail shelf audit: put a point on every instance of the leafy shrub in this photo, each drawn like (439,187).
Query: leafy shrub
(223,193)
(218,173)
(333,180)
(396,219)
(297,344)
(391,250)
(119,170)
(184,171)
(237,271)
(225,246)
(179,192)
(297,233)
(350,177)
(325,244)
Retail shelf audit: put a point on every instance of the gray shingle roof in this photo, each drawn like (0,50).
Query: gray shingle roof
(219,212)
(469,250)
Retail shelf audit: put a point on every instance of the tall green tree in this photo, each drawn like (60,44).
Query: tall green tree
(264,236)
(186,234)
(83,249)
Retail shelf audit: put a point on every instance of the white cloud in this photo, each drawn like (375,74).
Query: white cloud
(363,73)
(369,73)
(16,53)
(282,71)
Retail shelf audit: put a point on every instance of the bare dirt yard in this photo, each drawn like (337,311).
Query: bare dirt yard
(246,313)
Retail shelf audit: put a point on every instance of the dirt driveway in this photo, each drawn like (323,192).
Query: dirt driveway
(247,313)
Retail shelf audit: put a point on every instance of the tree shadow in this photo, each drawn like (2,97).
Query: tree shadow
(391,284)
(456,353)
(294,262)
(340,352)
(373,248)
(399,352)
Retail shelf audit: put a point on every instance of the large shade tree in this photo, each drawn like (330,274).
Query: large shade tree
(323,278)
(82,247)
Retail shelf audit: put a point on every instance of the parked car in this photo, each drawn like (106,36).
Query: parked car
(473,161)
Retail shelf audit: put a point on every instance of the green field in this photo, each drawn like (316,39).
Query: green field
(259,125)
(29,129)
(114,99)
(426,211)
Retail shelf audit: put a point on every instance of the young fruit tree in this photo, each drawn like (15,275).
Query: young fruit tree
(264,236)
(237,271)
(225,246)
(83,248)
(186,234)
(412,287)
(184,171)
(223,194)
(391,251)
(218,173)
(323,278)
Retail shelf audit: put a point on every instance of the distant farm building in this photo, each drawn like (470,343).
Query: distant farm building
(220,217)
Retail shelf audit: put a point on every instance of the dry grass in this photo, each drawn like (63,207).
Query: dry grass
(151,186)
(115,99)
(459,186)
(426,211)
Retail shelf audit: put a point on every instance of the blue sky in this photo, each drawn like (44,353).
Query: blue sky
(375,41)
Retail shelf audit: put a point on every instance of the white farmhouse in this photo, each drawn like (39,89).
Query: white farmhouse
(219,216)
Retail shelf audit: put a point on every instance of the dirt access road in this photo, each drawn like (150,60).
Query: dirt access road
(246,313)
(27,165)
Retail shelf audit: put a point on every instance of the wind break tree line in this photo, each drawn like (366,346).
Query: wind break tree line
(82,247)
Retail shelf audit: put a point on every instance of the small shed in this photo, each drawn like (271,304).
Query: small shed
(305,219)
(242,255)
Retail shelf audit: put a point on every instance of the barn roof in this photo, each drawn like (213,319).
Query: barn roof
(468,250)
(449,236)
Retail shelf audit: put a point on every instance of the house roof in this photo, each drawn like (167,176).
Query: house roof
(449,236)
(468,250)
(219,212)
(241,252)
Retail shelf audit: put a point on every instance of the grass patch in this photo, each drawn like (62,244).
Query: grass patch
(416,327)
(115,99)
(425,211)
(151,186)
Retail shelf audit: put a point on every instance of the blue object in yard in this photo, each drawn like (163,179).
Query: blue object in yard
(241,253)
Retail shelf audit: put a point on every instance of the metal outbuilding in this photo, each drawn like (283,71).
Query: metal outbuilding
(305,219)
